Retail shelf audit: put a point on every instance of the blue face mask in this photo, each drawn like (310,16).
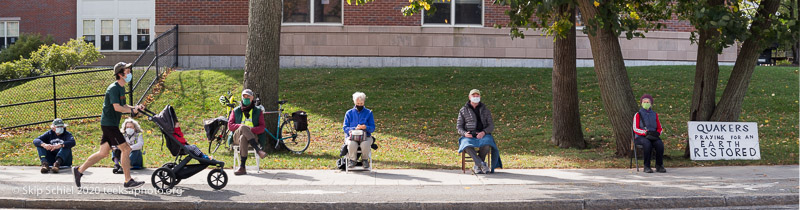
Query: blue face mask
(128,77)
(59,131)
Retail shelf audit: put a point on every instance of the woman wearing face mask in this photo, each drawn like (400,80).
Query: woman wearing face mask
(647,127)
(248,126)
(133,135)
(358,121)
(475,126)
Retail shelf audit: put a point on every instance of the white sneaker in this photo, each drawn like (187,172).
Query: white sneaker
(485,168)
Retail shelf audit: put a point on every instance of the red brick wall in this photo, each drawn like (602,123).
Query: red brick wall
(377,13)
(494,14)
(201,12)
(55,17)
(380,12)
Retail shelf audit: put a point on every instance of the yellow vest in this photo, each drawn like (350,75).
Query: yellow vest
(248,122)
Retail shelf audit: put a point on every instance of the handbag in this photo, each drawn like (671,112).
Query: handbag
(358,135)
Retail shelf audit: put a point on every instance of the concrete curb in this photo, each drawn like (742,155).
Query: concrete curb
(626,203)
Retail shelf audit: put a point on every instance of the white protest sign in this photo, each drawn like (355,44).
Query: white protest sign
(724,141)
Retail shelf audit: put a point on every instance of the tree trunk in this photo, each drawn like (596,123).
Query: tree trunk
(612,77)
(730,105)
(262,61)
(705,77)
(795,13)
(567,131)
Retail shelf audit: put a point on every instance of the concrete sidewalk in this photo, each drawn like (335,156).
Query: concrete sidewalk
(388,189)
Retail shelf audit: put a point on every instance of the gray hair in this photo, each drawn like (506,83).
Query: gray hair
(136,126)
(359,95)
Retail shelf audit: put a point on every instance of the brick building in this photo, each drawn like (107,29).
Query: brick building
(56,17)
(314,33)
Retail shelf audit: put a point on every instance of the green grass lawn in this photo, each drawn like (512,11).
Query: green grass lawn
(416,109)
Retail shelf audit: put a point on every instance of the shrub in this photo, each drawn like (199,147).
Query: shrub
(26,44)
(56,58)
(16,69)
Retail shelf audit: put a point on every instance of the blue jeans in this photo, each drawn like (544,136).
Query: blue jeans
(50,156)
(136,158)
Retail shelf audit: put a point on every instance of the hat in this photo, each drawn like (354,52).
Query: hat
(647,96)
(474,91)
(59,123)
(120,67)
(247,92)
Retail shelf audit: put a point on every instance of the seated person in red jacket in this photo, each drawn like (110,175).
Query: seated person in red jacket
(178,134)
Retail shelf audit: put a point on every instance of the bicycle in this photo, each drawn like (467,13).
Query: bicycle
(222,128)
(295,141)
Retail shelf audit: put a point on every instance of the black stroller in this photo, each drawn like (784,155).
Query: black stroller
(170,174)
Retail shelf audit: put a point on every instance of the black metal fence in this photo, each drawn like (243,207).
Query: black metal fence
(79,94)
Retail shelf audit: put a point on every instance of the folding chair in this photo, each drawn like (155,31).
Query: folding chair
(236,158)
(634,154)
(465,157)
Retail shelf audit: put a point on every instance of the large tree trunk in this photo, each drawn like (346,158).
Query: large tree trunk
(567,131)
(262,61)
(615,87)
(730,105)
(796,46)
(705,77)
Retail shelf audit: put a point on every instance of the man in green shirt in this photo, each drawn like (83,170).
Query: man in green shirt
(113,107)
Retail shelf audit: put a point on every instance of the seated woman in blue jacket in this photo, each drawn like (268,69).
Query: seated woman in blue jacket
(55,147)
(358,121)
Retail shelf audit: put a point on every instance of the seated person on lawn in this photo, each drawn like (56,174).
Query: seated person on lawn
(475,126)
(359,124)
(133,135)
(55,147)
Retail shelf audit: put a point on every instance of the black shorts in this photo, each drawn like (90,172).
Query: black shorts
(112,135)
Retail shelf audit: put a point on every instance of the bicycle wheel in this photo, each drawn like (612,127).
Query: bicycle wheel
(298,141)
(213,145)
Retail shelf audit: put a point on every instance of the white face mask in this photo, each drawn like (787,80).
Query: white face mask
(59,131)
(475,99)
(129,131)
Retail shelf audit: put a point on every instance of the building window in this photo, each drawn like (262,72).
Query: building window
(9,32)
(125,34)
(107,35)
(456,12)
(143,31)
(88,32)
(324,11)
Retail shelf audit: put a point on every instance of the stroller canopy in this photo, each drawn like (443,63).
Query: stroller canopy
(166,120)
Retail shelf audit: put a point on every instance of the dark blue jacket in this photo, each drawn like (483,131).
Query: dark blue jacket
(50,135)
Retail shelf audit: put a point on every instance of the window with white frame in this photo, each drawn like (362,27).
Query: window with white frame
(88,32)
(9,32)
(125,35)
(312,12)
(143,34)
(456,12)
(107,35)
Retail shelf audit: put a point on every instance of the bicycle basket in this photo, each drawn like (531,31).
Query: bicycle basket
(300,120)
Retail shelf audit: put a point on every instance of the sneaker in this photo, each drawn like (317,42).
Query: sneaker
(351,163)
(45,167)
(661,169)
(647,169)
(485,168)
(477,170)
(77,176)
(117,169)
(133,184)
(365,163)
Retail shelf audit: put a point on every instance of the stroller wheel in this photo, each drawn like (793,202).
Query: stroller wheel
(217,179)
(163,179)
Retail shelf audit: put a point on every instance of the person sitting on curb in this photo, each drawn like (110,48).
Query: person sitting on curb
(55,146)
(475,126)
(648,129)
(249,129)
(359,124)
(133,135)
